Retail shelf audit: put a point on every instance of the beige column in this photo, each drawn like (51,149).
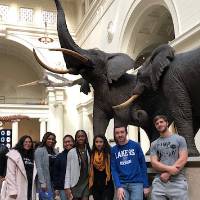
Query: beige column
(43,127)
(59,117)
(51,125)
(15,129)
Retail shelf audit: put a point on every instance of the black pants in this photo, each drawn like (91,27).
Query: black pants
(103,194)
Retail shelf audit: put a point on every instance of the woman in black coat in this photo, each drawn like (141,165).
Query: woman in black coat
(60,167)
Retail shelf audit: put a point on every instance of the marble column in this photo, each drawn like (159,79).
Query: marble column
(56,114)
(59,113)
(51,126)
(43,127)
(15,130)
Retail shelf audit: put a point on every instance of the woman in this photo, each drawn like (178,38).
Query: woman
(45,156)
(78,159)
(21,171)
(100,182)
(60,167)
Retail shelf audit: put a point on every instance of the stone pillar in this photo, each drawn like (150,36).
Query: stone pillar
(59,119)
(51,126)
(43,127)
(15,127)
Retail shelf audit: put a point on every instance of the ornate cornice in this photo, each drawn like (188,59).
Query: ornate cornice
(91,19)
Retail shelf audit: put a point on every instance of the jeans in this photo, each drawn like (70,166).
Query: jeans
(62,195)
(133,191)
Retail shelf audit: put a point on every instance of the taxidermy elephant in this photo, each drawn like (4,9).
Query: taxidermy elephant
(177,77)
(106,73)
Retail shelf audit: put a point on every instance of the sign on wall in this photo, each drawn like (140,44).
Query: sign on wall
(6,137)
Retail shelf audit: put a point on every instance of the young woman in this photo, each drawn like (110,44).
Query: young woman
(45,156)
(78,159)
(60,167)
(21,171)
(100,181)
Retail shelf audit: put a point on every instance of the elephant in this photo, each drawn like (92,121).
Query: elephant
(176,77)
(106,73)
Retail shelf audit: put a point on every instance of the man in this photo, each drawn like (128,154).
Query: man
(128,167)
(168,156)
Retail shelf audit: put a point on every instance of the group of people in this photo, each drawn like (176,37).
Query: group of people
(79,171)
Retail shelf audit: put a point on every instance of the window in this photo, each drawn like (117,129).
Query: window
(26,15)
(3,12)
(49,17)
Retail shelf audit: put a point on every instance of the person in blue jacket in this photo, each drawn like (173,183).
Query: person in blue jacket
(128,167)
(60,167)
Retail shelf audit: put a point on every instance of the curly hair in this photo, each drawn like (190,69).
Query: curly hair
(86,140)
(45,137)
(20,145)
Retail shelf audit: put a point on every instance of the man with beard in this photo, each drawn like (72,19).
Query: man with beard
(168,156)
(128,167)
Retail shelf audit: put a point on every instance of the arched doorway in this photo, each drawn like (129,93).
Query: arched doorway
(152,25)
(17,67)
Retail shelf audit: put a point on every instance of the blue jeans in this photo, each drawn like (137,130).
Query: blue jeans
(133,191)
(62,195)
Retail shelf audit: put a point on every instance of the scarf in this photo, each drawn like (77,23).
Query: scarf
(97,161)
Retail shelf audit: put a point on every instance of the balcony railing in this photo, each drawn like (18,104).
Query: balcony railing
(24,100)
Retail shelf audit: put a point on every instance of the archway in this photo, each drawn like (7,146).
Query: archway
(147,27)
(17,67)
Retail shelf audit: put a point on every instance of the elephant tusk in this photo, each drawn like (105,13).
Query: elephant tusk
(72,53)
(49,68)
(28,84)
(126,103)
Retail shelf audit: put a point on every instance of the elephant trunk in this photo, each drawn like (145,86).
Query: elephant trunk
(140,117)
(66,40)
(137,91)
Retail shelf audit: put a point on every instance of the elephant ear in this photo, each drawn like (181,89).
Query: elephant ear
(117,65)
(158,62)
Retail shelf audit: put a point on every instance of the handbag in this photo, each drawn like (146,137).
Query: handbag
(47,195)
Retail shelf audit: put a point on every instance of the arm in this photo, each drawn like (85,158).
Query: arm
(183,153)
(11,177)
(114,171)
(67,185)
(143,167)
(38,162)
(182,160)
(157,165)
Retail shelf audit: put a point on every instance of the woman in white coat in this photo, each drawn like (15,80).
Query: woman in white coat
(21,171)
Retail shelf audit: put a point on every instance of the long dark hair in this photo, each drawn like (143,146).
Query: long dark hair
(45,137)
(20,146)
(106,147)
(86,140)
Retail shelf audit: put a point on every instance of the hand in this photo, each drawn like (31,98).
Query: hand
(173,170)
(164,177)
(146,191)
(2,178)
(69,194)
(14,196)
(44,189)
(120,194)
(57,193)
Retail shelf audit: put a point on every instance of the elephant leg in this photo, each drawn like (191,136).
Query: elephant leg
(100,121)
(180,105)
(196,125)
